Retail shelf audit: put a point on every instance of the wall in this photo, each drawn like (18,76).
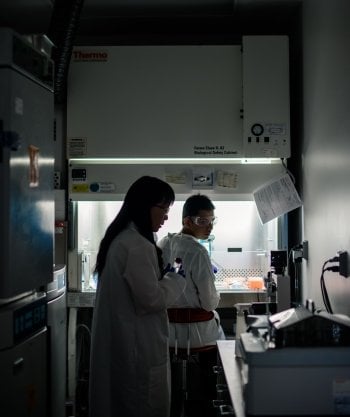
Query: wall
(326,148)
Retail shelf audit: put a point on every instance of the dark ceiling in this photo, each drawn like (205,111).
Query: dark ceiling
(147,20)
(102,22)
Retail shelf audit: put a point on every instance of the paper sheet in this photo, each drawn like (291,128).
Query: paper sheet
(276,198)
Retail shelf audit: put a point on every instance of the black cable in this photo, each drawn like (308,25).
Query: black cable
(297,290)
(334,259)
(287,170)
(325,294)
(333,268)
(290,256)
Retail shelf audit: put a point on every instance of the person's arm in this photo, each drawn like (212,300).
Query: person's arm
(204,279)
(142,274)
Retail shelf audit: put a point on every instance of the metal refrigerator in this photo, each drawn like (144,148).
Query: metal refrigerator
(23,357)
(26,166)
(26,223)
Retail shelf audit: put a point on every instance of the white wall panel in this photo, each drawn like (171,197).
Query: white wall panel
(327,146)
(156,101)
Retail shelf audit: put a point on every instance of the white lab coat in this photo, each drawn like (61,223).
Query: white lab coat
(200,290)
(129,370)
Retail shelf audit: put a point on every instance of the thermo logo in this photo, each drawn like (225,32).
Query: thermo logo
(90,56)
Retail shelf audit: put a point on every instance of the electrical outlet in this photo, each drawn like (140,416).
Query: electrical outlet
(344,263)
(297,254)
(305,249)
(301,252)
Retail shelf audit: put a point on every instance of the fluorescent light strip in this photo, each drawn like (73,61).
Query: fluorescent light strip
(110,161)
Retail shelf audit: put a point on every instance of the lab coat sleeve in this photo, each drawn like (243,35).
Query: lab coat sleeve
(204,279)
(174,284)
(142,275)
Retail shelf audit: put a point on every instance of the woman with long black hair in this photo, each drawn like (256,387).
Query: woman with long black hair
(129,369)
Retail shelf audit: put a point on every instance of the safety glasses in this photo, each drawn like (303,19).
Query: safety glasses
(204,221)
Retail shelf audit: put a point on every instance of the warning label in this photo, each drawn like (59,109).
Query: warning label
(216,150)
(77,147)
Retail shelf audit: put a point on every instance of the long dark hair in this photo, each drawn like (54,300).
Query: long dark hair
(143,194)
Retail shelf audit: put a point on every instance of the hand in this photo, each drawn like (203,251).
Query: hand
(168,268)
(181,272)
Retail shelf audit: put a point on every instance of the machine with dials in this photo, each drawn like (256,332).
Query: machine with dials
(297,362)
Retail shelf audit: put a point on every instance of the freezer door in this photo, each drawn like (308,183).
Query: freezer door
(23,378)
(26,183)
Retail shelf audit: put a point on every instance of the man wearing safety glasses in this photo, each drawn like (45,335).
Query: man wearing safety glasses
(194,323)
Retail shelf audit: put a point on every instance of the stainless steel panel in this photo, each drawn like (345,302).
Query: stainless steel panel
(26,177)
(23,378)
(57,326)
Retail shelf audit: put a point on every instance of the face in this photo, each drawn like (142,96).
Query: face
(159,214)
(200,226)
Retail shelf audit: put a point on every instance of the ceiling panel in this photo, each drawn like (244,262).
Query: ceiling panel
(35,15)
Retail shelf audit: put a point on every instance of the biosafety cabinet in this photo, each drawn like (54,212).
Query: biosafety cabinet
(180,101)
(212,119)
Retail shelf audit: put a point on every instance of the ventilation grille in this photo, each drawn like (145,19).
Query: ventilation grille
(239,275)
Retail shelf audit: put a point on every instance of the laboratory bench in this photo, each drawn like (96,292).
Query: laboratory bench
(231,368)
(80,309)
(228,297)
(226,307)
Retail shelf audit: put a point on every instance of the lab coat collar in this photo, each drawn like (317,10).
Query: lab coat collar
(187,236)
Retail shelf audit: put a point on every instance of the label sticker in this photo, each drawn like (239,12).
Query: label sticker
(102,187)
(84,55)
(176,177)
(77,147)
(341,396)
(33,152)
(80,188)
(18,106)
(214,151)
(227,179)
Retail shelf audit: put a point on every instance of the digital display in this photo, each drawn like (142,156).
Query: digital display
(79,174)
(29,319)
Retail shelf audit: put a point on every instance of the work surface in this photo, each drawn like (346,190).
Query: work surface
(228,298)
(231,368)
